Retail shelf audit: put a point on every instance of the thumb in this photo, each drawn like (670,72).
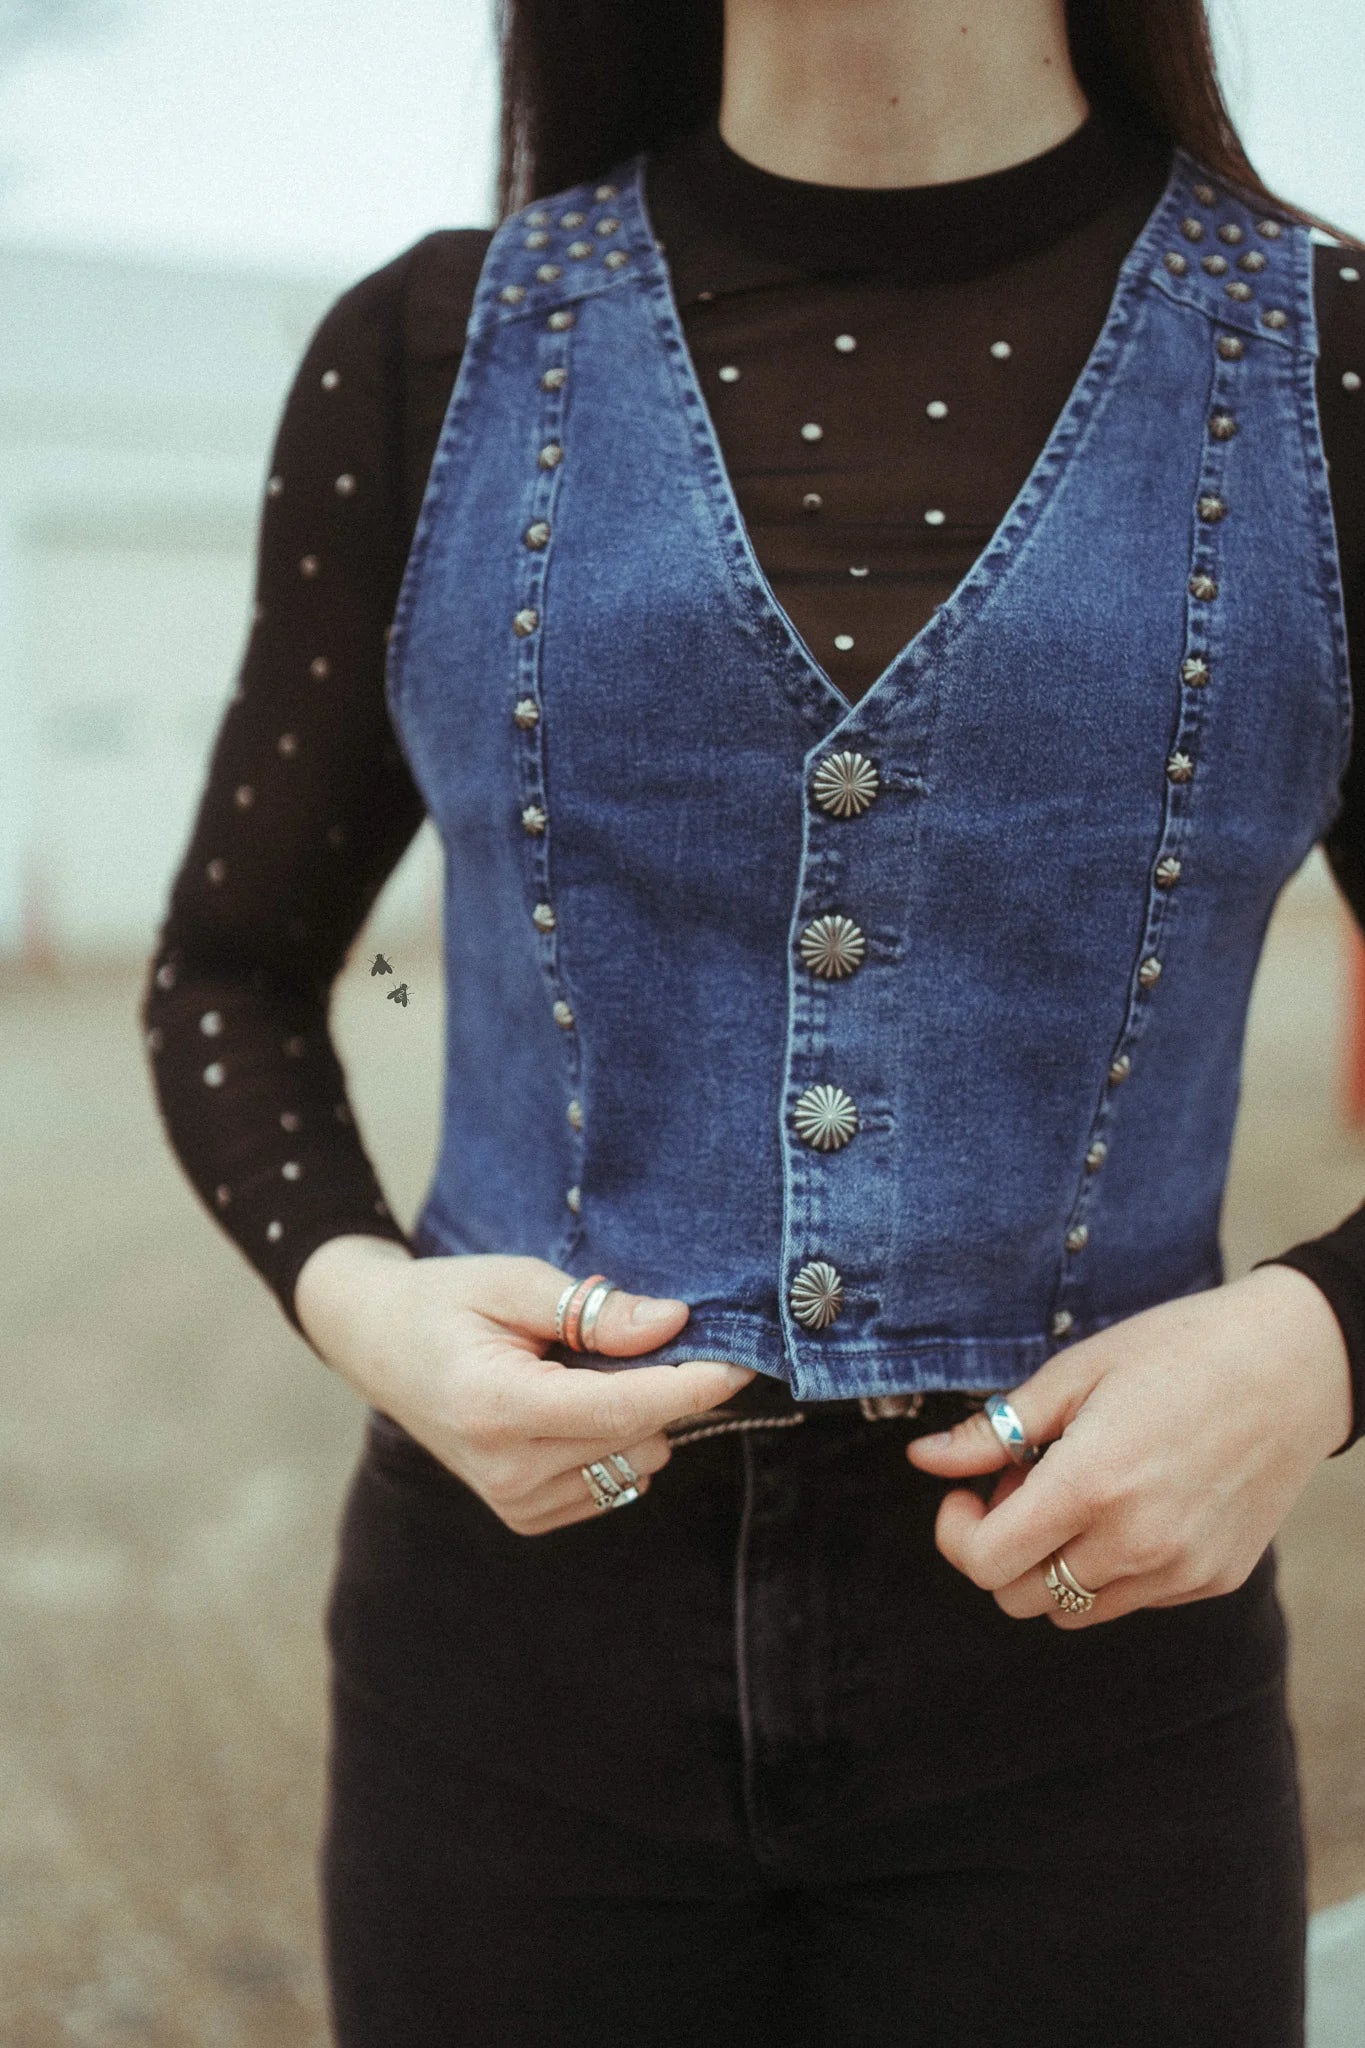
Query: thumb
(1044,1403)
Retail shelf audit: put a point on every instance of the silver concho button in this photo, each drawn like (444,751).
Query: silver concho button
(832,945)
(825,1116)
(845,783)
(817,1294)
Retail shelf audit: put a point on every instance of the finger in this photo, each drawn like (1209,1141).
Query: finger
(1027,1597)
(566,1488)
(581,1508)
(1044,1403)
(994,1545)
(524,1292)
(541,1397)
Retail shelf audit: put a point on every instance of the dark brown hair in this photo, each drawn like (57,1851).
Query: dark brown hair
(586,83)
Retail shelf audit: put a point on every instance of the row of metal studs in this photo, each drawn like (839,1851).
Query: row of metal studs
(535,818)
(549,272)
(1211,509)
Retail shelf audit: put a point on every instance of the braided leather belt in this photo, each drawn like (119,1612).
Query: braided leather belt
(768,1403)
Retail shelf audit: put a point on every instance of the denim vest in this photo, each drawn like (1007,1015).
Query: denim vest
(903,1039)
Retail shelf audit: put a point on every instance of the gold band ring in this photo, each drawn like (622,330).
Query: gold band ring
(1066,1589)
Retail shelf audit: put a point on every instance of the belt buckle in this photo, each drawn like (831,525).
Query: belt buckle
(880,1407)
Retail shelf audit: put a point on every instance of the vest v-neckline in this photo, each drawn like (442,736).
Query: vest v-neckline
(1003,546)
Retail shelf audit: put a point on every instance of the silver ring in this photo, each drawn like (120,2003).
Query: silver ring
(592,1309)
(625,1468)
(560,1307)
(1066,1589)
(606,1490)
(1014,1438)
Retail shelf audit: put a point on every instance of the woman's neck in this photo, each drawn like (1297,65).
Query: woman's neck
(896,92)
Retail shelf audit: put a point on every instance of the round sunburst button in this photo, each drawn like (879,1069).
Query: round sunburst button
(825,1116)
(817,1294)
(845,783)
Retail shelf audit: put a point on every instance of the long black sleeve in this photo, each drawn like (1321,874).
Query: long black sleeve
(307,808)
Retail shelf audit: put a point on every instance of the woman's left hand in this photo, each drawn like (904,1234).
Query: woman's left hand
(1178,1440)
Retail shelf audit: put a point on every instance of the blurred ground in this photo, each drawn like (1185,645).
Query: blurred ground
(171,1467)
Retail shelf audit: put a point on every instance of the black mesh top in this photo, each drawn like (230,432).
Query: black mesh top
(882,366)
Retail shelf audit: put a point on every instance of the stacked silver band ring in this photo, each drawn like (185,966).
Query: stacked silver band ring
(607,1489)
(1014,1438)
(1066,1589)
(578,1308)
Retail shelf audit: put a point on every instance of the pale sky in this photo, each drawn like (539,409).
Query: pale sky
(324,136)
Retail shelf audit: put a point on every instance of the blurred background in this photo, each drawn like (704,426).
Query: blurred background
(184,189)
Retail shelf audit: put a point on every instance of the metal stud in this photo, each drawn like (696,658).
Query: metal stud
(1211,507)
(1229,231)
(551,455)
(1179,767)
(539,219)
(614,258)
(607,225)
(825,1117)
(1274,316)
(1192,228)
(554,378)
(537,533)
(845,783)
(1077,1237)
(1175,262)
(812,502)
(1350,380)
(1231,347)
(539,240)
(817,1294)
(1203,586)
(1252,259)
(548,272)
(572,220)
(533,818)
(543,917)
(526,711)
(525,622)
(512,294)
(832,946)
(580,249)
(309,566)
(1149,973)
(1120,1067)
(574,1113)
(1061,1322)
(1194,671)
(1215,265)
(1205,194)
(604,191)
(1238,290)
(558,321)
(1222,425)
(1271,229)
(1167,872)
(563,1015)
(574,1197)
(1095,1155)
(214,1074)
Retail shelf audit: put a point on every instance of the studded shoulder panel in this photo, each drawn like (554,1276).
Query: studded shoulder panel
(561,248)
(1245,267)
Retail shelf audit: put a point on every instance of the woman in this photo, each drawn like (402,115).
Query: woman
(850,563)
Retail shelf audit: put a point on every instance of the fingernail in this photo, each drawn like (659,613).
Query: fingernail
(739,1375)
(938,1440)
(652,1308)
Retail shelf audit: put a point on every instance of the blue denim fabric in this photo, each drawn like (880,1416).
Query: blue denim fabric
(1097,764)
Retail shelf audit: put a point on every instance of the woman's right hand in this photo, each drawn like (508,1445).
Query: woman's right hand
(452,1348)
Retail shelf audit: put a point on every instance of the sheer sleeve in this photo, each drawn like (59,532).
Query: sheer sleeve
(308,803)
